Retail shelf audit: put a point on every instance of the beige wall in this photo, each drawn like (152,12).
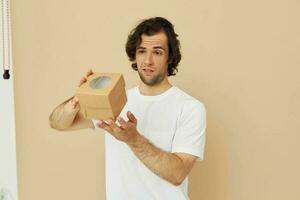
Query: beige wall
(240,58)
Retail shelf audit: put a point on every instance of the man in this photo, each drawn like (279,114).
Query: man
(154,143)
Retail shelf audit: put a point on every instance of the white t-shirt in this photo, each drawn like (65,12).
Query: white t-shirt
(174,122)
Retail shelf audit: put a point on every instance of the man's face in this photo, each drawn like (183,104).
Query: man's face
(152,58)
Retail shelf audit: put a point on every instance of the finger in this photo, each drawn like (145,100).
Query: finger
(114,126)
(122,122)
(75,99)
(131,117)
(103,125)
(83,80)
(73,103)
(90,72)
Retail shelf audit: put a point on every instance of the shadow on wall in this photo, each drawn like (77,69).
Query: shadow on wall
(216,177)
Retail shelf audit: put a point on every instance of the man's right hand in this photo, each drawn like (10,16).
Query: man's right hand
(74,101)
(66,117)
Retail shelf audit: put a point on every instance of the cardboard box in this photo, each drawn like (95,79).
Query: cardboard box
(102,96)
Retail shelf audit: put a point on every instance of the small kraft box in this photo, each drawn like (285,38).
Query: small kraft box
(102,96)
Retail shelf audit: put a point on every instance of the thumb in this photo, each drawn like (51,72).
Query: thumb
(131,117)
(76,99)
(74,102)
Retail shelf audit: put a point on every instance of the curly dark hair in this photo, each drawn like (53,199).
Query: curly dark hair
(150,27)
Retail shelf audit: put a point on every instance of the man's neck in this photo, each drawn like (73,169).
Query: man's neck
(154,90)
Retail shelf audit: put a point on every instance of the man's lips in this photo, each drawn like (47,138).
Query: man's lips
(148,71)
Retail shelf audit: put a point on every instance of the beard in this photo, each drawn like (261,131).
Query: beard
(155,80)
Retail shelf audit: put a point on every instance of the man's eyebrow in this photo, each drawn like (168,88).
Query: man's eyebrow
(155,47)
(159,47)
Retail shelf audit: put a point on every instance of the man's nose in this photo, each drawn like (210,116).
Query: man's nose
(148,60)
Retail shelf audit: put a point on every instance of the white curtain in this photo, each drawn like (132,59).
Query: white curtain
(8,166)
(5,37)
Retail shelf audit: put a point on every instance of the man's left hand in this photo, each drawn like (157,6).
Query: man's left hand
(126,132)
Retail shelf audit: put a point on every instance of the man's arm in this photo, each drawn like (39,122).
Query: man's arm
(66,117)
(173,167)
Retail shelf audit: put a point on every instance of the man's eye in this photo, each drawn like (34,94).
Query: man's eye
(158,52)
(140,51)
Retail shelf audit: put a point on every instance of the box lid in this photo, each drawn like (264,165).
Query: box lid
(101,83)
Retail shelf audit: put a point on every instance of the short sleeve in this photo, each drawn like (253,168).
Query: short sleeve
(190,134)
